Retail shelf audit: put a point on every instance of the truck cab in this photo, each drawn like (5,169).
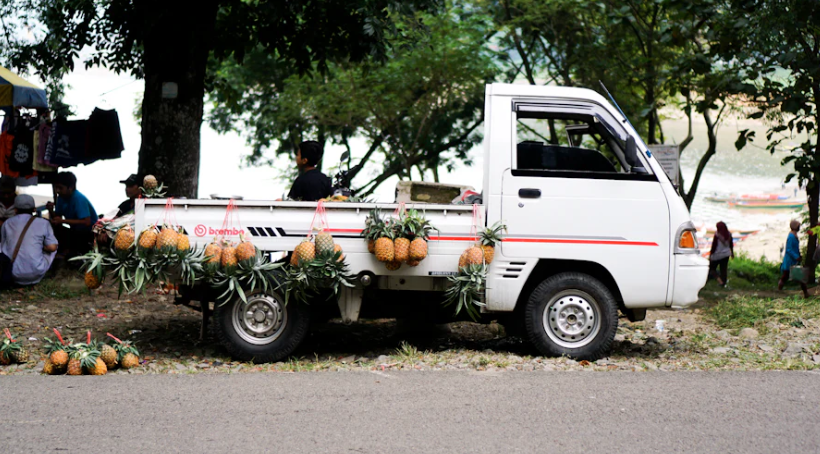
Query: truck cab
(594,228)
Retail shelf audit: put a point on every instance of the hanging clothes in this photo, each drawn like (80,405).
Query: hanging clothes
(6,145)
(22,154)
(69,140)
(105,137)
(43,135)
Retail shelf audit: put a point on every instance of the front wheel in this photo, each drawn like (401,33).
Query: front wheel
(571,314)
(263,329)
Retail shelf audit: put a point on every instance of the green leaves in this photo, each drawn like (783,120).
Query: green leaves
(466,290)
(325,273)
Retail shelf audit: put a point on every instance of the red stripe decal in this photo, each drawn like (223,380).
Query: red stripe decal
(568,241)
(344,230)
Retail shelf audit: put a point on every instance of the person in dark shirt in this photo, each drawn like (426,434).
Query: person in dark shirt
(312,184)
(132,191)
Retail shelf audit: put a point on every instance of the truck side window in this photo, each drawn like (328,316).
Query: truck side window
(565,144)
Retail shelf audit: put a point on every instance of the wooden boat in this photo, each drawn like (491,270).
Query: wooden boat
(746,198)
(771,205)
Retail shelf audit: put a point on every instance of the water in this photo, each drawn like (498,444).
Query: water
(752,170)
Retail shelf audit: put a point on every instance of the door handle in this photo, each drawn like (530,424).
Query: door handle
(529,193)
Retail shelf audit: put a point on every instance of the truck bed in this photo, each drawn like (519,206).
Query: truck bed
(278,226)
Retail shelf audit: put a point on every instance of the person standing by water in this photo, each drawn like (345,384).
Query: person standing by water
(792,257)
(722,251)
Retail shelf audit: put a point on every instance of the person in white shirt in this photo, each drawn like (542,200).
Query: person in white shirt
(33,240)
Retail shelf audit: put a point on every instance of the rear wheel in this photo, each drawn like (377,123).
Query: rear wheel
(571,314)
(262,329)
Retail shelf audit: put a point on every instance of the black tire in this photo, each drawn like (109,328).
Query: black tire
(272,346)
(583,317)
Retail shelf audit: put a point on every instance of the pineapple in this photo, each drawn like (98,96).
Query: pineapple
(305,252)
(338,249)
(228,258)
(56,352)
(12,351)
(392,265)
(472,256)
(92,282)
(49,368)
(124,239)
(418,249)
(74,367)
(127,354)
(372,229)
(19,355)
(412,262)
(213,252)
(99,367)
(4,360)
(129,361)
(385,251)
(324,243)
(245,250)
(183,242)
(149,182)
(168,239)
(148,238)
(401,249)
(108,355)
(490,237)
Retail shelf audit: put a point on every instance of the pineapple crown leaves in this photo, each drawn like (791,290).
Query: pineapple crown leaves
(154,193)
(93,262)
(123,347)
(372,224)
(417,226)
(491,236)
(88,356)
(52,346)
(466,290)
(246,277)
(325,272)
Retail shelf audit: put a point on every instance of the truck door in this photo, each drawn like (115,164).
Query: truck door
(571,195)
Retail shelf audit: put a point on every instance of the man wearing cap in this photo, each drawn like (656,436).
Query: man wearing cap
(132,191)
(28,246)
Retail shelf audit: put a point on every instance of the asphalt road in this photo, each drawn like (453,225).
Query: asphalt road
(418,412)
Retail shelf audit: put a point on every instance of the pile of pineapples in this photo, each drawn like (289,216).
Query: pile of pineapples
(466,290)
(89,358)
(316,265)
(395,241)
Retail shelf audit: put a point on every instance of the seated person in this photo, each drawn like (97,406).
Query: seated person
(8,189)
(133,192)
(312,184)
(72,209)
(35,239)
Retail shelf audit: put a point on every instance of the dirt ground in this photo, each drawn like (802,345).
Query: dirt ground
(168,338)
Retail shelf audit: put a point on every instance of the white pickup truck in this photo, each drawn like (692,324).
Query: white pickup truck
(594,228)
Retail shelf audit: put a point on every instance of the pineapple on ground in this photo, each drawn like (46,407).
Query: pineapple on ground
(99,367)
(304,252)
(472,256)
(49,368)
(148,238)
(124,239)
(490,237)
(245,250)
(12,350)
(75,366)
(324,243)
(127,354)
(57,354)
(108,355)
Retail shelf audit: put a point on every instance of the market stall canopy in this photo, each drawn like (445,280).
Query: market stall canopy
(17,92)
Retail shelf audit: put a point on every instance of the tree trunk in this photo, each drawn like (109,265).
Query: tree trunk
(813,192)
(711,131)
(176,47)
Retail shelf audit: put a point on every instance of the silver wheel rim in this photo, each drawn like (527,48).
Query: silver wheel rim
(261,320)
(571,318)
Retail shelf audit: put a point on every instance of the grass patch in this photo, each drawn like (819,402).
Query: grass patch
(760,272)
(744,311)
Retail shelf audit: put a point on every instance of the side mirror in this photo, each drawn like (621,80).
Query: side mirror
(631,155)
